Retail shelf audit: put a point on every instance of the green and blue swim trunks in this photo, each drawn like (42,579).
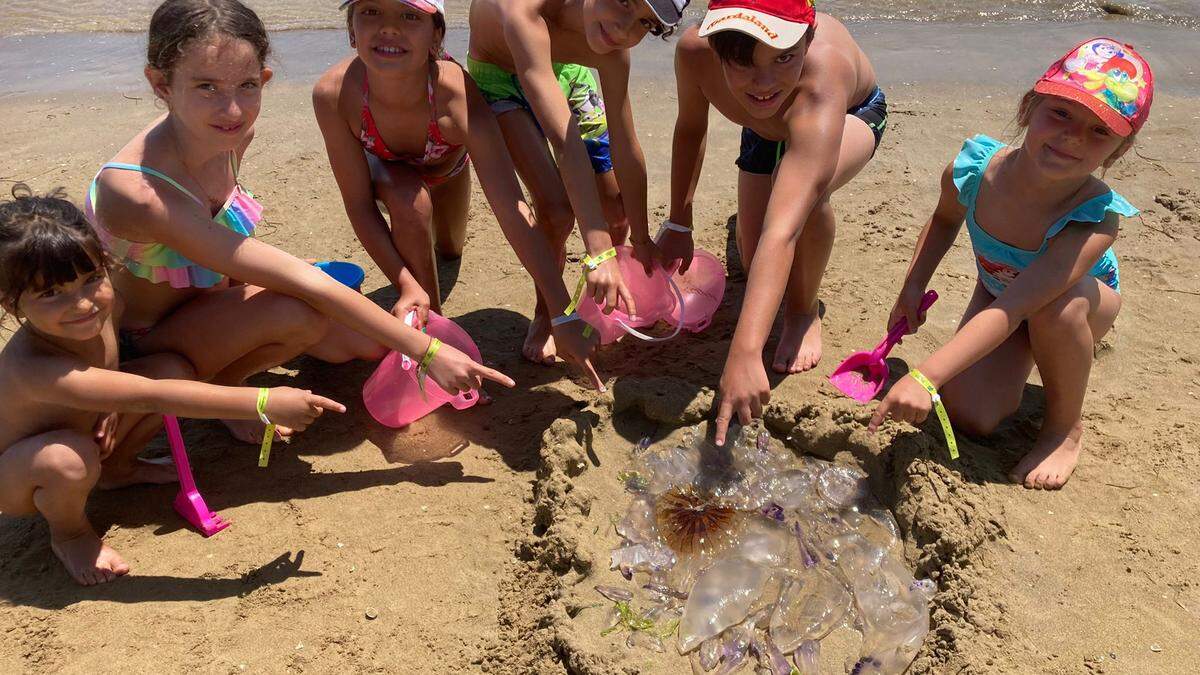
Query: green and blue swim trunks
(502,90)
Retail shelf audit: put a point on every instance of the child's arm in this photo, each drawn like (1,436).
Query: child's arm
(528,39)
(68,383)
(803,179)
(493,165)
(1069,257)
(628,160)
(687,159)
(935,241)
(172,219)
(353,176)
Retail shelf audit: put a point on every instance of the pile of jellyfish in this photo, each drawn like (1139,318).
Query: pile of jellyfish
(753,555)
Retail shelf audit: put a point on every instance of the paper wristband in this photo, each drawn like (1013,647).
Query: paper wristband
(435,345)
(565,318)
(589,263)
(264,451)
(947,430)
(672,226)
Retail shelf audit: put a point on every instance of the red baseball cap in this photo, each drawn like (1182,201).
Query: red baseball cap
(1108,77)
(776,23)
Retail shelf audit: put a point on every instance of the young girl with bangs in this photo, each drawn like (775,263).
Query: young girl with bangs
(172,212)
(1042,226)
(402,123)
(74,416)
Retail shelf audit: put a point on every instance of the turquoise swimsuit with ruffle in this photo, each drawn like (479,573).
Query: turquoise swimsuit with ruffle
(999,263)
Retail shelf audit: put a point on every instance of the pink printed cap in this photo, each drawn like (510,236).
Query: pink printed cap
(1108,77)
(427,6)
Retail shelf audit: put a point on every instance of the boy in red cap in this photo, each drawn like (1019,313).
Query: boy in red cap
(1042,227)
(812,117)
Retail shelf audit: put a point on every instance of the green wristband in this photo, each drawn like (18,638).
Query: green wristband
(940,408)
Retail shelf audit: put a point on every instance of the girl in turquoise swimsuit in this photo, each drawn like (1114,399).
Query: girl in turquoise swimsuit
(1042,228)
(172,212)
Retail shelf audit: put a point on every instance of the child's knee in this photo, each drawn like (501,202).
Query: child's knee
(1069,310)
(976,420)
(409,212)
(558,219)
(69,458)
(821,222)
(298,322)
(167,366)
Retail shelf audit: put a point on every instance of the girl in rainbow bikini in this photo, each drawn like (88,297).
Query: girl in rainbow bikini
(1042,227)
(171,212)
(399,119)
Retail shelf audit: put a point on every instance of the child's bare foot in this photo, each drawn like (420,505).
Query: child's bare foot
(251,431)
(799,344)
(139,472)
(1050,463)
(539,342)
(88,560)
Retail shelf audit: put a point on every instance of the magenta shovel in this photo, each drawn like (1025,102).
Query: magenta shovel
(863,374)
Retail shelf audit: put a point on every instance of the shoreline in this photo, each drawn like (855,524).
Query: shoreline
(902,53)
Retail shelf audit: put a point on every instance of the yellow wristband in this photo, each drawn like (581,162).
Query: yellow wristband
(264,451)
(943,417)
(589,263)
(435,345)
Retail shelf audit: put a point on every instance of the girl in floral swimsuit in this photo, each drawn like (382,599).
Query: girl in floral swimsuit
(398,119)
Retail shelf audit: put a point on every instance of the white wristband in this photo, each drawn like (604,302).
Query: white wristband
(674,227)
(564,318)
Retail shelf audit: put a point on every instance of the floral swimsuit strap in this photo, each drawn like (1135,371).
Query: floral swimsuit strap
(436,146)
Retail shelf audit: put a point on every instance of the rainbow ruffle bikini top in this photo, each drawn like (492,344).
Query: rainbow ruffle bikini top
(159,263)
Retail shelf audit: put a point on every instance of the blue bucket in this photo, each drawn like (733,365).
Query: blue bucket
(346,272)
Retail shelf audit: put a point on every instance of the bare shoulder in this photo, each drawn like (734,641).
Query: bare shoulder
(451,90)
(128,203)
(329,86)
(25,368)
(834,51)
(691,46)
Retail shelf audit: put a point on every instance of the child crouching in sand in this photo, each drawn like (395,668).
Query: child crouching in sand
(1042,228)
(59,373)
(398,119)
(812,116)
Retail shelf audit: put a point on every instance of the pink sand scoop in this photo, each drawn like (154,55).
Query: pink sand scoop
(392,394)
(863,374)
(189,503)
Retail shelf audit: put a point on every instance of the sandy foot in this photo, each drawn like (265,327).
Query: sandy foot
(799,344)
(141,471)
(88,560)
(539,343)
(251,431)
(1050,463)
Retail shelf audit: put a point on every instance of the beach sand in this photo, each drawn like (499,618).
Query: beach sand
(366,549)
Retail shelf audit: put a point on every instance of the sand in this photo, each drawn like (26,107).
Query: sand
(366,549)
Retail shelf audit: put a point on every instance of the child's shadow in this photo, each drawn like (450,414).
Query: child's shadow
(45,585)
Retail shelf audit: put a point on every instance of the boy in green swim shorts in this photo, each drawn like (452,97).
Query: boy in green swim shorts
(533,61)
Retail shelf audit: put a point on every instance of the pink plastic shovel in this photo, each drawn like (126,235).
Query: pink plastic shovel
(863,374)
(188,502)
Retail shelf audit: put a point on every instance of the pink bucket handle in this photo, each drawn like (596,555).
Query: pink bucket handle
(678,326)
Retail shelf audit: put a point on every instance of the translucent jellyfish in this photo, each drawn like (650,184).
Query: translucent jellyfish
(723,596)
(810,608)
(842,486)
(758,554)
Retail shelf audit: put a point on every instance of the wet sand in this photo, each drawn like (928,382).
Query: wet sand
(484,561)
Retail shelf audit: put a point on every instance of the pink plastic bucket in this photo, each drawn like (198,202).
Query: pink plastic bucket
(652,294)
(392,395)
(702,288)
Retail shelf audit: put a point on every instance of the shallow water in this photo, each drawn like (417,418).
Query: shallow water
(25,17)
